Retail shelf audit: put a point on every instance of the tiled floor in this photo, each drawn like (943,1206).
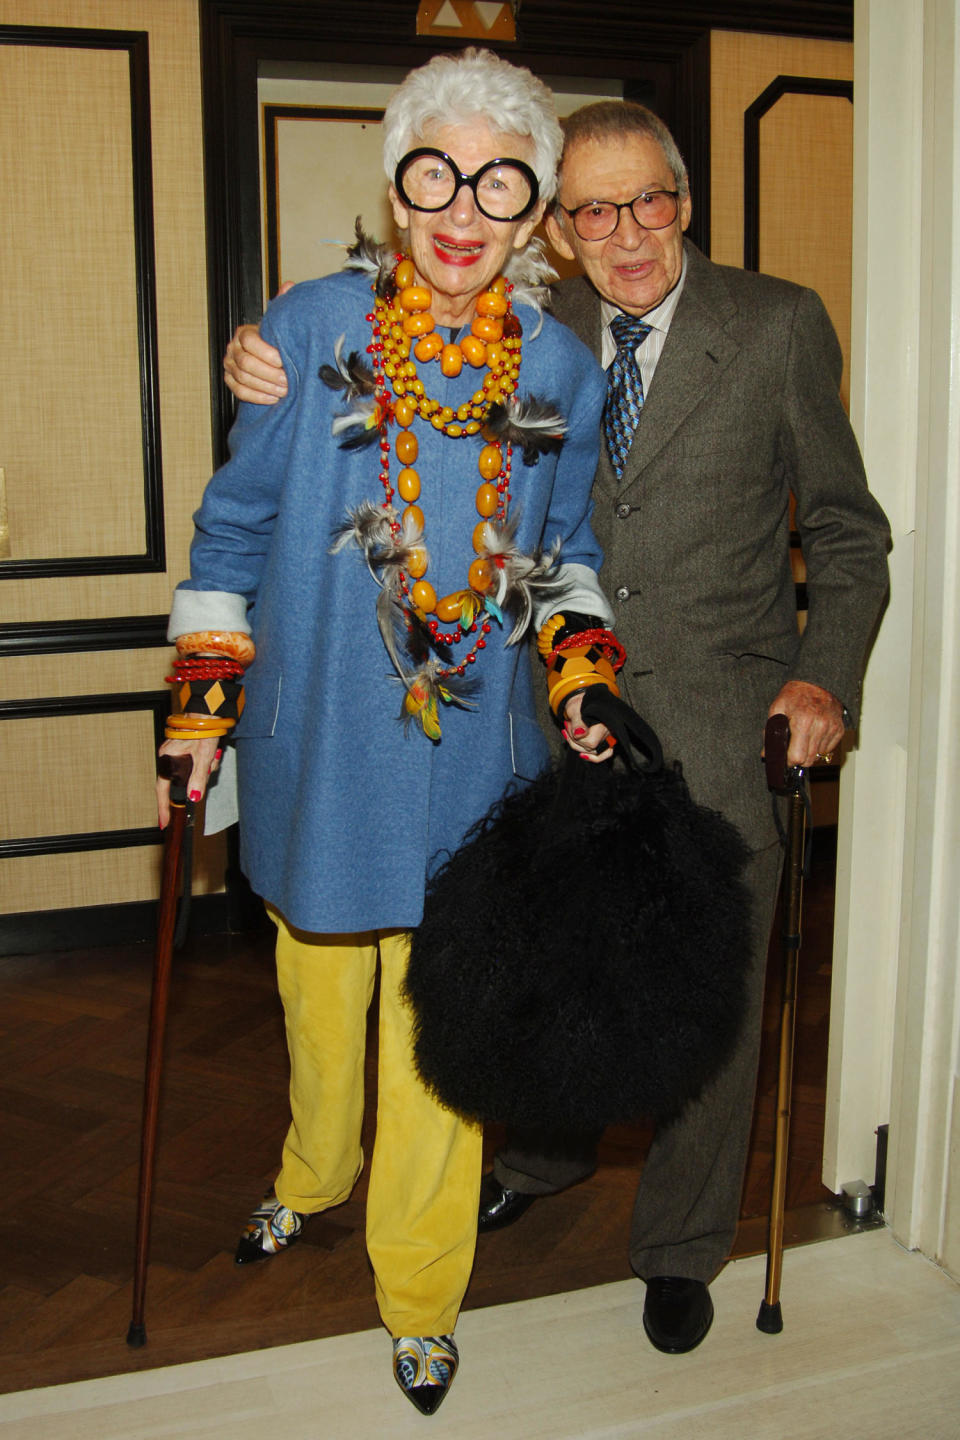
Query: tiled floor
(870,1347)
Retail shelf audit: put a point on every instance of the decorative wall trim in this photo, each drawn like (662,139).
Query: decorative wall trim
(135,43)
(157,702)
(66,637)
(271,115)
(782,85)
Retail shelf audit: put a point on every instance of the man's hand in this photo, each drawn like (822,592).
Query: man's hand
(816,721)
(252,369)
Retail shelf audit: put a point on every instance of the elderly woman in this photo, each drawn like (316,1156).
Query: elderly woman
(381,536)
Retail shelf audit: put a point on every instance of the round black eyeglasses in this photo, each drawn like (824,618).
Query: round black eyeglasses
(598,219)
(429,180)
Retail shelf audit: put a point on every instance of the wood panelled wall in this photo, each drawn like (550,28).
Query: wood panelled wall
(104,432)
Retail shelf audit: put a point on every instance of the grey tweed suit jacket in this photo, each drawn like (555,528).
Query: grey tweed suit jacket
(743,409)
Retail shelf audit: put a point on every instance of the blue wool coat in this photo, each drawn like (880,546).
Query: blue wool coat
(343,812)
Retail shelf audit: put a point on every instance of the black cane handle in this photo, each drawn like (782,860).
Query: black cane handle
(782,779)
(176,769)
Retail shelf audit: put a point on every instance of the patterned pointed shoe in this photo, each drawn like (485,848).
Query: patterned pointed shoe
(271,1228)
(424,1367)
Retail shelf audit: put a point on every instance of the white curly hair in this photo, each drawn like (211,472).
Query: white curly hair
(474,85)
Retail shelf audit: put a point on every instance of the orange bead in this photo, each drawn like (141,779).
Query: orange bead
(415,297)
(499,286)
(408,483)
(483,537)
(407,447)
(474,351)
(489,462)
(424,596)
(405,411)
(428,347)
(496,355)
(480,575)
(448,608)
(487,499)
(486,328)
(417,562)
(420,323)
(405,274)
(413,515)
(490,303)
(451,360)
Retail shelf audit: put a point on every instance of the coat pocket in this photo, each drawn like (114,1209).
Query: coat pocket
(528,746)
(261,704)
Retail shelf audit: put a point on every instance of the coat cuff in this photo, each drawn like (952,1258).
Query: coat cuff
(207,610)
(576,588)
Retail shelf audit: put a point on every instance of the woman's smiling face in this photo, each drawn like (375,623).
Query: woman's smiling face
(458,251)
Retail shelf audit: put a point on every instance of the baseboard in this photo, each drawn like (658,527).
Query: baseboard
(90,926)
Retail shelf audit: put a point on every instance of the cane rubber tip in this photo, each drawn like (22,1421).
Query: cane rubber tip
(136,1335)
(770,1318)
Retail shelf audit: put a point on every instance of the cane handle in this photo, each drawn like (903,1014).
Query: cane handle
(176,769)
(782,779)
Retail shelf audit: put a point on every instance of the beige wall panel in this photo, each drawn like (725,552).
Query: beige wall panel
(73,463)
(108,672)
(79,365)
(100,877)
(806,201)
(741,68)
(178,197)
(806,159)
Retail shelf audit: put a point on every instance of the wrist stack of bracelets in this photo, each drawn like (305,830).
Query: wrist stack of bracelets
(578,652)
(207,698)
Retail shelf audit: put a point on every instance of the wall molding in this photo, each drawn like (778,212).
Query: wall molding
(152,558)
(65,637)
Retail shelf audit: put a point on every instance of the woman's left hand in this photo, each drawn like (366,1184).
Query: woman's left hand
(592,741)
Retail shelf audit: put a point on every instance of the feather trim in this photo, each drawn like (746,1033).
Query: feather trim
(531,275)
(353,376)
(520,578)
(533,425)
(427,690)
(377,260)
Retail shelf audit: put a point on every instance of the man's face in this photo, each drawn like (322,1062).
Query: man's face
(633,268)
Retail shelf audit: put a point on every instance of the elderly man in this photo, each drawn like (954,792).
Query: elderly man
(722,400)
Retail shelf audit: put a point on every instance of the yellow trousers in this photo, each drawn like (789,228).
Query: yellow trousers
(425,1170)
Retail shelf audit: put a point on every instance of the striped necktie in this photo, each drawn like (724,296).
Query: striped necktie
(621,412)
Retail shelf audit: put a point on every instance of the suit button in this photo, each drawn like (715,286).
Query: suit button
(623,511)
(622,593)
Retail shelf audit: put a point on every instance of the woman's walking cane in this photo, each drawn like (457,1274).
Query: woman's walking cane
(176,769)
(787,781)
(204,705)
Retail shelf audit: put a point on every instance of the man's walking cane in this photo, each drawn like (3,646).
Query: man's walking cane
(787,781)
(202,707)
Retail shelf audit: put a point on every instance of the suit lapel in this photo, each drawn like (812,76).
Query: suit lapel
(697,352)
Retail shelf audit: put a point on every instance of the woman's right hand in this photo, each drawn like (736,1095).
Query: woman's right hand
(252,369)
(205,755)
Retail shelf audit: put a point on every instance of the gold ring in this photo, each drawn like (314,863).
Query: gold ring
(825,758)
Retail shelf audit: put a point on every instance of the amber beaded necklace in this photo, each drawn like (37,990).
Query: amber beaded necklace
(404,332)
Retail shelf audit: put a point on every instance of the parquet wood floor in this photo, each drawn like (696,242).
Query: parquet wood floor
(72,1043)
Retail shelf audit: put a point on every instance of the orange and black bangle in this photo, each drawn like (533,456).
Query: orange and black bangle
(578,653)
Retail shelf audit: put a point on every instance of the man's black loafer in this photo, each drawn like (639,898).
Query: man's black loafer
(499,1206)
(677,1313)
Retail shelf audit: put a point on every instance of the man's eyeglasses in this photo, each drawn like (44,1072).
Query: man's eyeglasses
(652,210)
(427,179)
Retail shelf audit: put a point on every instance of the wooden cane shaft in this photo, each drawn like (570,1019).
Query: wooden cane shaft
(792,904)
(162,962)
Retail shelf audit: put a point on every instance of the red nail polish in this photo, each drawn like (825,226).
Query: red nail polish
(578,733)
(194,796)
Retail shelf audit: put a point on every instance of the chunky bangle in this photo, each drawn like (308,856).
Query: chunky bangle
(232,643)
(197,727)
(577,668)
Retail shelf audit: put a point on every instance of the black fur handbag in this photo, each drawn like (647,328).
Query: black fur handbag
(582,957)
